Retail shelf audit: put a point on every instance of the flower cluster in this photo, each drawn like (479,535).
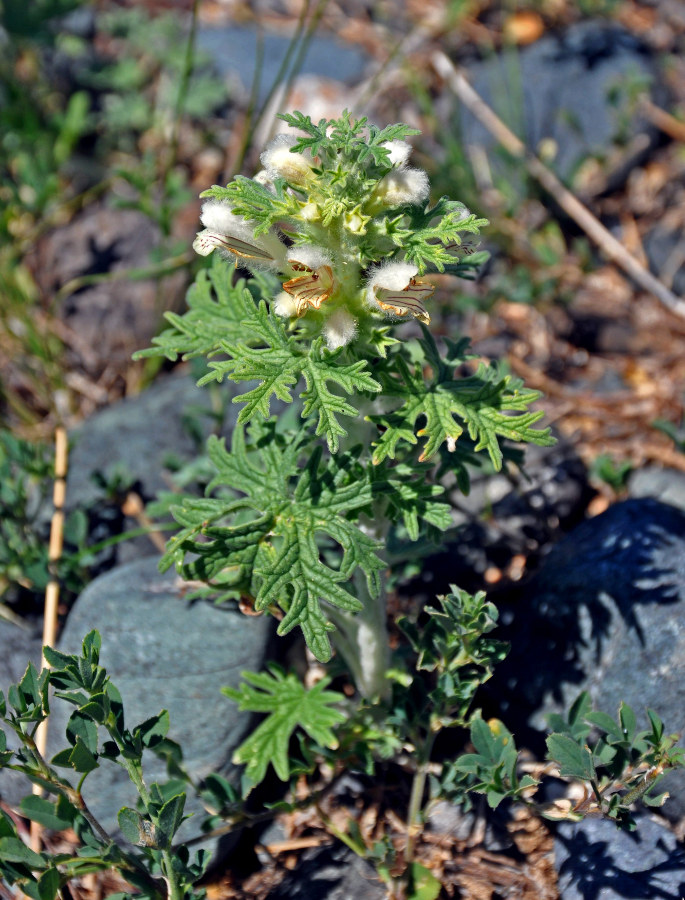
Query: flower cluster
(344,221)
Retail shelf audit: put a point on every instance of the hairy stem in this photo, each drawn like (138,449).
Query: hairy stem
(362,641)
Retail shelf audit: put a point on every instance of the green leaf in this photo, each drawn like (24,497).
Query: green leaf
(49,885)
(43,811)
(423,885)
(217,310)
(169,820)
(272,540)
(15,850)
(81,758)
(154,729)
(277,361)
(135,828)
(80,726)
(628,721)
(574,759)
(289,706)
(488,406)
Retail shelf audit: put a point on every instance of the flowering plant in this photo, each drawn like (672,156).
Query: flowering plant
(339,237)
(338,233)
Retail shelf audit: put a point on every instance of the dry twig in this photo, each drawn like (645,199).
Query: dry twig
(567,201)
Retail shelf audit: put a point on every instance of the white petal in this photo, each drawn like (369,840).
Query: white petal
(284,305)
(394,290)
(403,187)
(399,152)
(309,255)
(339,329)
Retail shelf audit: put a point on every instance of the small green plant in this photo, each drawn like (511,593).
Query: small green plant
(613,473)
(96,734)
(338,235)
(26,477)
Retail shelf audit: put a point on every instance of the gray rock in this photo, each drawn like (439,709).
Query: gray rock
(325,56)
(664,248)
(596,861)
(606,613)
(331,873)
(164,652)
(559,88)
(137,435)
(667,485)
(116,316)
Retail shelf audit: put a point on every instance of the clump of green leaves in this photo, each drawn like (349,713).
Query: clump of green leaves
(26,473)
(97,734)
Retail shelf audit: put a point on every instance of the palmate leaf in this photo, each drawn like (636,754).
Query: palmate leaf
(277,361)
(487,405)
(411,496)
(270,539)
(289,706)
(217,310)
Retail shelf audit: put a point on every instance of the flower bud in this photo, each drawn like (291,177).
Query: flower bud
(279,162)
(399,152)
(339,329)
(402,187)
(284,305)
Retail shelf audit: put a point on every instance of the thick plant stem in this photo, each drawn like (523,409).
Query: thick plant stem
(362,641)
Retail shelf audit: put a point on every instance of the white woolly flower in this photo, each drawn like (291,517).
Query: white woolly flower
(399,153)
(394,289)
(403,187)
(312,288)
(232,234)
(284,305)
(279,162)
(308,255)
(339,329)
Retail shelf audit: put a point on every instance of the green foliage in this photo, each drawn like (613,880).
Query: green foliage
(259,348)
(265,543)
(428,233)
(491,769)
(607,753)
(26,477)
(613,473)
(351,140)
(490,406)
(96,734)
(288,705)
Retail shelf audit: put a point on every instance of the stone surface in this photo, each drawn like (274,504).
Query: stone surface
(137,435)
(164,652)
(325,56)
(606,613)
(559,88)
(330,873)
(107,322)
(596,861)
(667,485)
